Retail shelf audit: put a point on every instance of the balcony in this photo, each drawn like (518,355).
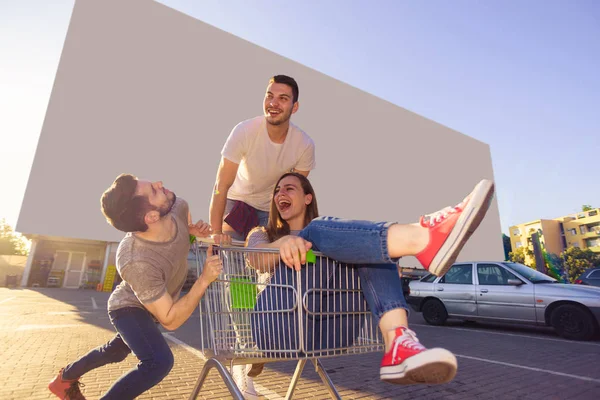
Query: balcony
(591,234)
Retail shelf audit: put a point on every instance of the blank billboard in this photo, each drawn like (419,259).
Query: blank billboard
(144,89)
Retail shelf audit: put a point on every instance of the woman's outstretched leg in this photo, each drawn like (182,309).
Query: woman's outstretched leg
(405,361)
(435,241)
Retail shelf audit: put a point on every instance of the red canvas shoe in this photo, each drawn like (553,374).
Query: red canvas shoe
(450,228)
(409,362)
(66,389)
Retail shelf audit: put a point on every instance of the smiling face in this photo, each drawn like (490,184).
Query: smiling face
(279,103)
(291,201)
(157,195)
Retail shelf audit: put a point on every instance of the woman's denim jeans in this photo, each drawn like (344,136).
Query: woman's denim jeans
(137,332)
(363,245)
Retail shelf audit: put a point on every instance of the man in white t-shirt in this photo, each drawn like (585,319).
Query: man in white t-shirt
(257,152)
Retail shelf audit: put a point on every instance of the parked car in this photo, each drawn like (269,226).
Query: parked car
(590,277)
(507,292)
(410,274)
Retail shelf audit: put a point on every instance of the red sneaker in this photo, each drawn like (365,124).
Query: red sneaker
(450,228)
(66,389)
(408,362)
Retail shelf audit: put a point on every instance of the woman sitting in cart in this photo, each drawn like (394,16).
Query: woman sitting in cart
(373,248)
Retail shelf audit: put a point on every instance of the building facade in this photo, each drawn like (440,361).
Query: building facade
(144,89)
(556,235)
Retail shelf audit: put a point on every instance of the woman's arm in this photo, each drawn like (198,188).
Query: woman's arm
(292,251)
(267,261)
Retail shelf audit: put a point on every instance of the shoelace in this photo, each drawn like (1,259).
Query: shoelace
(408,340)
(73,392)
(439,216)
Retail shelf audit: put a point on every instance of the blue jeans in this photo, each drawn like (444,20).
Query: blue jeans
(363,244)
(137,332)
(263,219)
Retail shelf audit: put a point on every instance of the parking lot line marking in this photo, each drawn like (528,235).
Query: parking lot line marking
(581,378)
(509,334)
(7,300)
(267,393)
(94,305)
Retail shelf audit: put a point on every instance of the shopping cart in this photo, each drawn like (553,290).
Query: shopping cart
(253,317)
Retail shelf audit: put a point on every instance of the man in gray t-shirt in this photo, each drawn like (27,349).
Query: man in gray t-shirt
(152,260)
(149,269)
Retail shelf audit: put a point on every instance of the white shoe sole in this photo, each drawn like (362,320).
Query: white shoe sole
(431,367)
(467,223)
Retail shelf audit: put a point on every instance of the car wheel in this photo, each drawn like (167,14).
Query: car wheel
(572,322)
(434,312)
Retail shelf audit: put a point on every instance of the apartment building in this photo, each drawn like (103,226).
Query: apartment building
(556,235)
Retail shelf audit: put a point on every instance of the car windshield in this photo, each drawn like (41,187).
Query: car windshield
(531,274)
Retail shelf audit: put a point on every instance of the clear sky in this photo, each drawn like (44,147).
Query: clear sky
(521,76)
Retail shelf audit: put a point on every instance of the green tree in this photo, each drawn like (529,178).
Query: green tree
(507,247)
(517,256)
(586,207)
(577,260)
(520,256)
(12,243)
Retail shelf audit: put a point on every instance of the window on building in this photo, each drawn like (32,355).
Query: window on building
(593,213)
(516,232)
(518,244)
(573,231)
(582,229)
(593,242)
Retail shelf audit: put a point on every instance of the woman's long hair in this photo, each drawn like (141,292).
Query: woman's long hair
(277,227)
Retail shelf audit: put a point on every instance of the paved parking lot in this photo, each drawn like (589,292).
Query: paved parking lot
(42,330)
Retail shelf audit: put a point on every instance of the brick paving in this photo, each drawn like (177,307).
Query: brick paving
(42,330)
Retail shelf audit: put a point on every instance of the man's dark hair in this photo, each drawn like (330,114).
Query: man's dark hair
(287,80)
(124,209)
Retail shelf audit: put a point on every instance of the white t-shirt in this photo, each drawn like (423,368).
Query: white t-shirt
(262,162)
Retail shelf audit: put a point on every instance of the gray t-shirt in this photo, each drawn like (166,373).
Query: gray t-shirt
(149,269)
(259,236)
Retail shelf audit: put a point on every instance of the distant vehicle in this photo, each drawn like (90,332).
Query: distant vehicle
(410,274)
(590,277)
(507,292)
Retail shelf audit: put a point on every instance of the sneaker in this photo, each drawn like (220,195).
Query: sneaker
(66,389)
(450,228)
(409,362)
(244,382)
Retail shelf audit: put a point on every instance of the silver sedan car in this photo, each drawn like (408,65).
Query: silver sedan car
(507,292)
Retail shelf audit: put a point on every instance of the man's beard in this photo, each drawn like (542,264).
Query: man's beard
(286,118)
(167,208)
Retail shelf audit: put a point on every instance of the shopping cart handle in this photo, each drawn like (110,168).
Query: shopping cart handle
(210,240)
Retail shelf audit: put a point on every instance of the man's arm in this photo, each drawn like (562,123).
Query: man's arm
(172,314)
(225,178)
(305,173)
